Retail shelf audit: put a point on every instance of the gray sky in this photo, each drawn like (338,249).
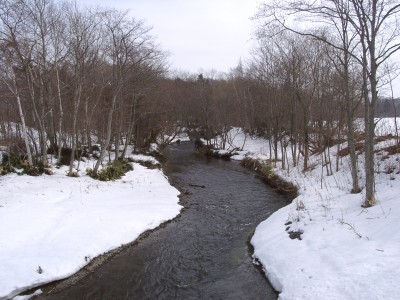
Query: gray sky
(200,35)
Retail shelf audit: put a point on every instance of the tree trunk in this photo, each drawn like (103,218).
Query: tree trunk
(61,117)
(106,141)
(350,127)
(369,131)
(306,141)
(15,91)
(77,101)
(24,133)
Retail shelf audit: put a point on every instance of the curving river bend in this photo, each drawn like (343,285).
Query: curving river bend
(203,254)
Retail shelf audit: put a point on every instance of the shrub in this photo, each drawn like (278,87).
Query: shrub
(32,171)
(65,158)
(159,156)
(266,171)
(4,170)
(37,170)
(149,164)
(114,170)
(13,162)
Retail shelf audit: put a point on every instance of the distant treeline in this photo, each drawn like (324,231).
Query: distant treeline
(387,107)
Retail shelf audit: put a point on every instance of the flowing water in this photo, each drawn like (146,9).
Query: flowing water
(203,254)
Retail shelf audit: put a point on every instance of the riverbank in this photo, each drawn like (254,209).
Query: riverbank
(52,226)
(324,242)
(202,254)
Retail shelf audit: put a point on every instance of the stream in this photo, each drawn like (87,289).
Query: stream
(204,253)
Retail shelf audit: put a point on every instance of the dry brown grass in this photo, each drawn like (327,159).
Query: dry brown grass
(391,150)
(346,151)
(383,138)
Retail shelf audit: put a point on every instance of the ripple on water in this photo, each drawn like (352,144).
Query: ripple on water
(201,255)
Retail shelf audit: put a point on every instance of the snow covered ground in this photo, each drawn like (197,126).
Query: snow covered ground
(345,251)
(51,226)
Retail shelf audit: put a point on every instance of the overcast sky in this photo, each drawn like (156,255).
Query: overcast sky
(200,35)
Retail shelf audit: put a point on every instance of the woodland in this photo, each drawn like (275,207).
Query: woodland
(74,80)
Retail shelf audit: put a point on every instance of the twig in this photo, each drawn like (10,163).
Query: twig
(351,227)
(195,185)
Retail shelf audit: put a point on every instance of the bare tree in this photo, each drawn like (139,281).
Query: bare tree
(9,77)
(83,36)
(376,26)
(127,45)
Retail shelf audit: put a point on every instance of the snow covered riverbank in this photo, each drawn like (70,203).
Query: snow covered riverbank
(345,251)
(51,226)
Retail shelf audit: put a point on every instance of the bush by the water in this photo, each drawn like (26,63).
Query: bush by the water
(113,171)
(148,164)
(266,171)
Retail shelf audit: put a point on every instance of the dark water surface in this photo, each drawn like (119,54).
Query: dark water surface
(203,254)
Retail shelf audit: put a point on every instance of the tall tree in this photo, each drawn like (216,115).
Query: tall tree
(8,75)
(127,45)
(376,25)
(83,36)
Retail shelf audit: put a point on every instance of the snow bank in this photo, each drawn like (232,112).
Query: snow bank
(345,251)
(51,226)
